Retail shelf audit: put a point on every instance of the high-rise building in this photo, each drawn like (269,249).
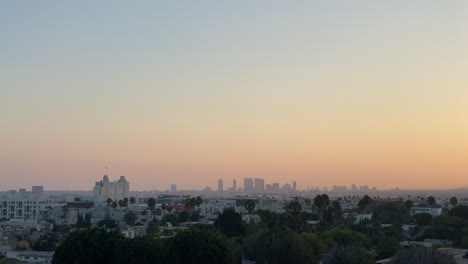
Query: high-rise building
(294,186)
(173,187)
(234,185)
(275,187)
(259,185)
(116,190)
(220,185)
(37,190)
(248,185)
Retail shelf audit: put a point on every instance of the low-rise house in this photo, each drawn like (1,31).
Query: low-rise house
(28,256)
(432,211)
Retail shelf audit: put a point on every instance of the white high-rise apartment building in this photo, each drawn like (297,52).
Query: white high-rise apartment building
(116,190)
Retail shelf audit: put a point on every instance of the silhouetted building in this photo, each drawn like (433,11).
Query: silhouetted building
(259,185)
(220,185)
(37,190)
(173,187)
(248,185)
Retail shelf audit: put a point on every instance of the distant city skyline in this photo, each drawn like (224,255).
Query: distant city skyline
(322,92)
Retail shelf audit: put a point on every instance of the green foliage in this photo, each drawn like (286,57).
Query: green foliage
(283,246)
(460,211)
(83,221)
(151,204)
(197,246)
(152,229)
(169,218)
(129,218)
(47,242)
(421,255)
(269,219)
(345,237)
(423,219)
(391,213)
(294,212)
(351,255)
(195,216)
(230,223)
(107,223)
(87,246)
(386,241)
(249,205)
(453,201)
(183,216)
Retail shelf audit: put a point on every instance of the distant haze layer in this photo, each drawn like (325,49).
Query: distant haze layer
(323,93)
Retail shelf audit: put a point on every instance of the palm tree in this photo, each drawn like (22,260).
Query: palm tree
(454,201)
(431,201)
(322,202)
(337,212)
(109,202)
(132,200)
(409,204)
(199,200)
(249,205)
(151,204)
(125,202)
(114,204)
(164,207)
(169,207)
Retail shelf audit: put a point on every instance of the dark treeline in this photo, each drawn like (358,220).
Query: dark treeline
(322,233)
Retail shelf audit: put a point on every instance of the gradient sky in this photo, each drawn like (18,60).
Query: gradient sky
(186,92)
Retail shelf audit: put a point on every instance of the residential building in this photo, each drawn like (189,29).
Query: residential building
(116,190)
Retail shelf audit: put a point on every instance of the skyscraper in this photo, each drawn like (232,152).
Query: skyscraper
(294,186)
(259,185)
(248,185)
(220,185)
(173,187)
(234,185)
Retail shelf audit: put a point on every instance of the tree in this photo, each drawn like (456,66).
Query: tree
(197,246)
(132,200)
(169,218)
(460,211)
(129,218)
(125,202)
(269,219)
(199,200)
(431,202)
(337,212)
(421,255)
(109,202)
(114,204)
(158,211)
(408,204)
(93,245)
(454,201)
(151,204)
(107,223)
(322,202)
(423,219)
(152,230)
(294,211)
(249,205)
(230,223)
(169,207)
(184,216)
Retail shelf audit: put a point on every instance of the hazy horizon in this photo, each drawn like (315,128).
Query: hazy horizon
(324,93)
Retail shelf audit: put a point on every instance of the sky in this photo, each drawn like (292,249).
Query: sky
(321,92)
